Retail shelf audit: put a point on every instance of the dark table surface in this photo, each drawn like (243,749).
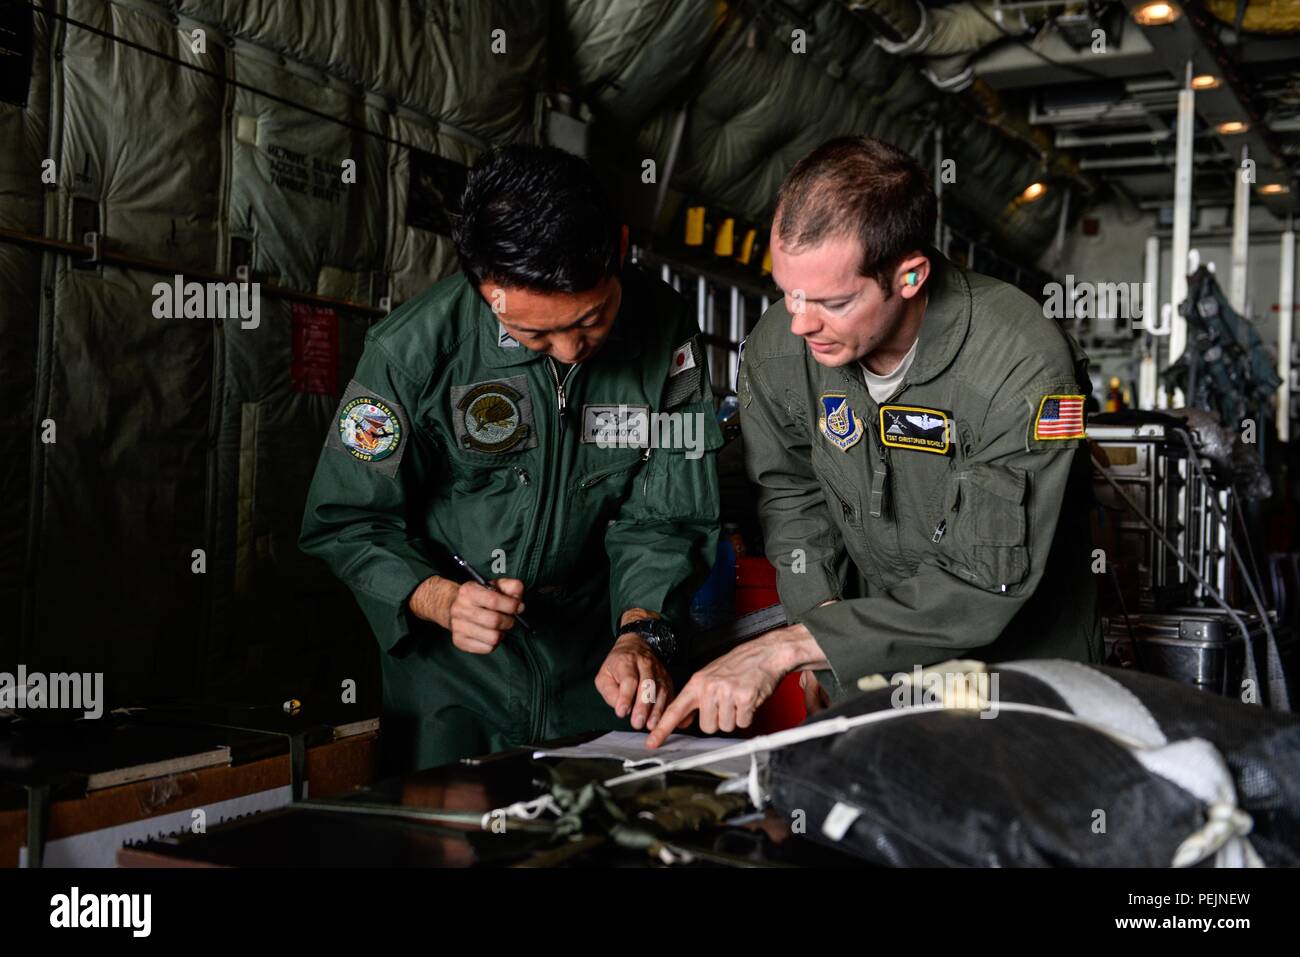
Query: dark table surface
(313,835)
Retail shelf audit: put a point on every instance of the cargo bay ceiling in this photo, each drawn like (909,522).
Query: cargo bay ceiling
(1077,97)
(144,442)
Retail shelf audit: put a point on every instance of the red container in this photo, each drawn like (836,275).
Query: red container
(755,589)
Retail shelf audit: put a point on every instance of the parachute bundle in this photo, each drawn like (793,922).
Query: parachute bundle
(1069,765)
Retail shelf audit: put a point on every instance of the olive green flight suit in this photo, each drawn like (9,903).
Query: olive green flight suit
(454,438)
(961,500)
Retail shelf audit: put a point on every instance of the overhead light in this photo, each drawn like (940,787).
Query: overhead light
(1231,127)
(1206,81)
(1032,192)
(1274,189)
(1157,13)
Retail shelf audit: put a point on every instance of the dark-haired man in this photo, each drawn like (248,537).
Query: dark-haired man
(921,419)
(544,414)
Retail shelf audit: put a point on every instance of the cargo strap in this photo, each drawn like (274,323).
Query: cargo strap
(1193,764)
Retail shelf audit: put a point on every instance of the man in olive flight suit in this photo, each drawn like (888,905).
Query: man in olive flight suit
(923,419)
(545,415)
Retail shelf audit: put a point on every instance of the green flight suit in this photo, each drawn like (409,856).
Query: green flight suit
(454,438)
(962,499)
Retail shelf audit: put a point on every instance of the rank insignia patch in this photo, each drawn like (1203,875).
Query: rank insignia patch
(838,422)
(1060,417)
(369,428)
(494,416)
(916,428)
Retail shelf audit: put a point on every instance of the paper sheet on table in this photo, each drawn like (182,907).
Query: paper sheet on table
(629,747)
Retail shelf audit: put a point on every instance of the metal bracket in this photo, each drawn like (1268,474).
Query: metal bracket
(95,241)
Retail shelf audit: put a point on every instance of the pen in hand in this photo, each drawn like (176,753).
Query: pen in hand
(470,570)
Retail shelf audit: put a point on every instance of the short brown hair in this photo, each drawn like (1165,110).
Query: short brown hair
(864,187)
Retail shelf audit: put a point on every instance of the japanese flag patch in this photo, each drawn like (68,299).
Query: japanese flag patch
(683,359)
(685,374)
(1059,417)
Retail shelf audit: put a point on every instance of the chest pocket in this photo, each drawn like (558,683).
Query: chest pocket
(488,499)
(609,481)
(478,472)
(983,536)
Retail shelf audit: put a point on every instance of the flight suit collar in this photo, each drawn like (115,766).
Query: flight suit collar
(497,351)
(946,321)
(943,328)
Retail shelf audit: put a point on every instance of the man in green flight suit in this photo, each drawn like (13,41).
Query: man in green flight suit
(922,419)
(545,415)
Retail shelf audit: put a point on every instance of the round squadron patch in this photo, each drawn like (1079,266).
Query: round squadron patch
(492,418)
(369,429)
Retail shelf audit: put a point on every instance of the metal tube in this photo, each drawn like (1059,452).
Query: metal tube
(1240,237)
(1285,317)
(1150,316)
(735,334)
(1182,217)
(701,304)
(108,257)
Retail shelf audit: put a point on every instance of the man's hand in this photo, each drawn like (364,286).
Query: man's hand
(632,678)
(728,691)
(477,617)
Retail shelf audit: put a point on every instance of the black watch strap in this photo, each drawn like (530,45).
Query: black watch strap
(657,633)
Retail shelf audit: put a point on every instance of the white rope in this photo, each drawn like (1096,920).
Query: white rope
(524,810)
(1222,835)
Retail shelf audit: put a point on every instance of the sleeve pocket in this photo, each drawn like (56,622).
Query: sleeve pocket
(986,527)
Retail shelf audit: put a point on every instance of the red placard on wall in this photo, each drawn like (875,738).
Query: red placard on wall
(315,349)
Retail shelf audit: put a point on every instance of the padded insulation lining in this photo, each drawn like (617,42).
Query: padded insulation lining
(177,434)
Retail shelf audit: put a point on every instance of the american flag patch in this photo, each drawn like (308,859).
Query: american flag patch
(1060,417)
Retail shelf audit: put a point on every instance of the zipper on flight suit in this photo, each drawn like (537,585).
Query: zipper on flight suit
(547,500)
(603,474)
(645,478)
(561,400)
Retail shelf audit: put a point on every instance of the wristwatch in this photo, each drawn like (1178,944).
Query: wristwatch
(657,633)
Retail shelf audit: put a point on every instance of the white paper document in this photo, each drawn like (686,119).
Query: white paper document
(629,747)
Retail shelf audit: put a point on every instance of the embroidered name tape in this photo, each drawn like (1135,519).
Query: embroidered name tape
(1060,417)
(838,422)
(616,426)
(916,428)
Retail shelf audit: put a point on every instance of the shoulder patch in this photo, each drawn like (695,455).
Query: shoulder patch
(838,422)
(1059,418)
(370,428)
(916,428)
(686,382)
(494,416)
